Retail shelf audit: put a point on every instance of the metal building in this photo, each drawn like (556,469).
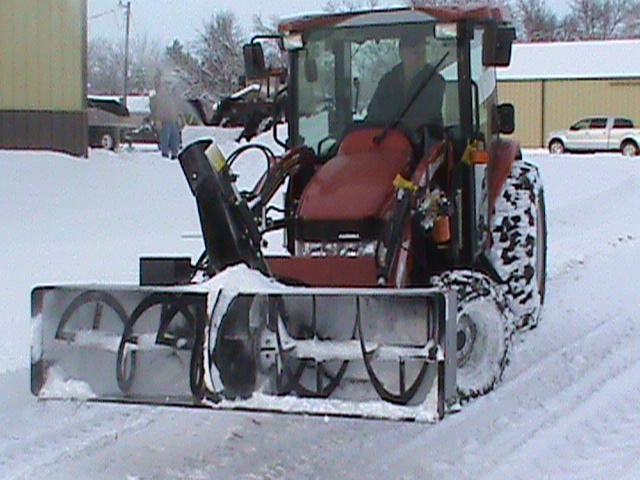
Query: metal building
(554,84)
(43,58)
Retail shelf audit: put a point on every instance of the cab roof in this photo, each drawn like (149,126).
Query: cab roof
(419,14)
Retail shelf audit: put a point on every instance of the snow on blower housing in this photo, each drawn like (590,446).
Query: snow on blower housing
(416,241)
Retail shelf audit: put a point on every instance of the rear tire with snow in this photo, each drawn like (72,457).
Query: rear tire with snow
(519,242)
(485,329)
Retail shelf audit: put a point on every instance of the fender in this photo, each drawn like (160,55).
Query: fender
(502,154)
(628,138)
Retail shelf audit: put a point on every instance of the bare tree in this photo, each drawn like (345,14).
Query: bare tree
(349,5)
(536,22)
(601,19)
(274,56)
(211,67)
(420,3)
(185,69)
(146,56)
(219,50)
(632,25)
(417,3)
(105,70)
(587,20)
(105,67)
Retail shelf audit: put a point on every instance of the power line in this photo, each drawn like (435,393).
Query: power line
(98,15)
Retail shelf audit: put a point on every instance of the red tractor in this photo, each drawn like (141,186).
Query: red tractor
(415,237)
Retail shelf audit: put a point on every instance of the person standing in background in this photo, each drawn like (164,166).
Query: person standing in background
(165,111)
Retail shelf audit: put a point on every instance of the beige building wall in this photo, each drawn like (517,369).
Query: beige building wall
(527,97)
(43,74)
(546,105)
(569,100)
(42,56)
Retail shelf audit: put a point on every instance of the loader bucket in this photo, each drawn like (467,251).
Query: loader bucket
(379,353)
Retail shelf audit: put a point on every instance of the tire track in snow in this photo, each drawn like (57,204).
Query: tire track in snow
(76,431)
(582,445)
(581,223)
(571,355)
(489,429)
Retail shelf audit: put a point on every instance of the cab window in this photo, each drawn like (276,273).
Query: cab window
(598,123)
(580,125)
(622,123)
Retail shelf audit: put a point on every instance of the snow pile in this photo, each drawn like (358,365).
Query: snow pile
(57,385)
(377,409)
(241,278)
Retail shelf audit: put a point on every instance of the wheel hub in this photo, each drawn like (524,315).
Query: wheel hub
(265,348)
(466,337)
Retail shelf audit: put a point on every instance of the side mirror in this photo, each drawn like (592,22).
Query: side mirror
(254,66)
(505,118)
(496,45)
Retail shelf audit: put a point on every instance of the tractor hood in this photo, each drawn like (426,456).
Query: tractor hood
(357,183)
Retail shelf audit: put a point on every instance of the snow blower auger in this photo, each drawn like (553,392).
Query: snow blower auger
(414,234)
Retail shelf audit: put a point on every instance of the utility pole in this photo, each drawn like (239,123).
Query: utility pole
(125,88)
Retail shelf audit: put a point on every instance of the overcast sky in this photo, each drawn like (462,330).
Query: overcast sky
(164,20)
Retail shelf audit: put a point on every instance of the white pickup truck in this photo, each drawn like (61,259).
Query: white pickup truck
(596,134)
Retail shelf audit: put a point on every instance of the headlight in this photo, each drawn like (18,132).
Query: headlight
(336,249)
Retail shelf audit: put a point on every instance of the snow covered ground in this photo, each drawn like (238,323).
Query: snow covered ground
(566,409)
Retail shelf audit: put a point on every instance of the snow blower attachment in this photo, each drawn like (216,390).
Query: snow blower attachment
(245,347)
(353,348)
(415,244)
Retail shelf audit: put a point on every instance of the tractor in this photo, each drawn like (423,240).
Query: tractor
(413,231)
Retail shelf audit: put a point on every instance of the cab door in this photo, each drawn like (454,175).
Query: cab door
(598,134)
(577,135)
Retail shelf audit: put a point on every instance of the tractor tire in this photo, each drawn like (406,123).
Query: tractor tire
(485,328)
(519,242)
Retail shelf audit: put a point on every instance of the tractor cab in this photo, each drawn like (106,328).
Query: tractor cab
(383,96)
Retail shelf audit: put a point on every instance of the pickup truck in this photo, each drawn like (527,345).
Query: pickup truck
(597,134)
(107,119)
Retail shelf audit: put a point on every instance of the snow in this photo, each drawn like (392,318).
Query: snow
(573,60)
(566,408)
(59,386)
(136,104)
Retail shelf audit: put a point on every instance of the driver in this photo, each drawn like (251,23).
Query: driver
(399,85)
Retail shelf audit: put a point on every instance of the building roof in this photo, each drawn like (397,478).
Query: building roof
(573,60)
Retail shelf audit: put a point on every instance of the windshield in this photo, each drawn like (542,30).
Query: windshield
(347,76)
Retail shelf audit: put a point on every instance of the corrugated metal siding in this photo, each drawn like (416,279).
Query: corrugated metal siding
(568,100)
(42,59)
(546,105)
(42,130)
(527,97)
